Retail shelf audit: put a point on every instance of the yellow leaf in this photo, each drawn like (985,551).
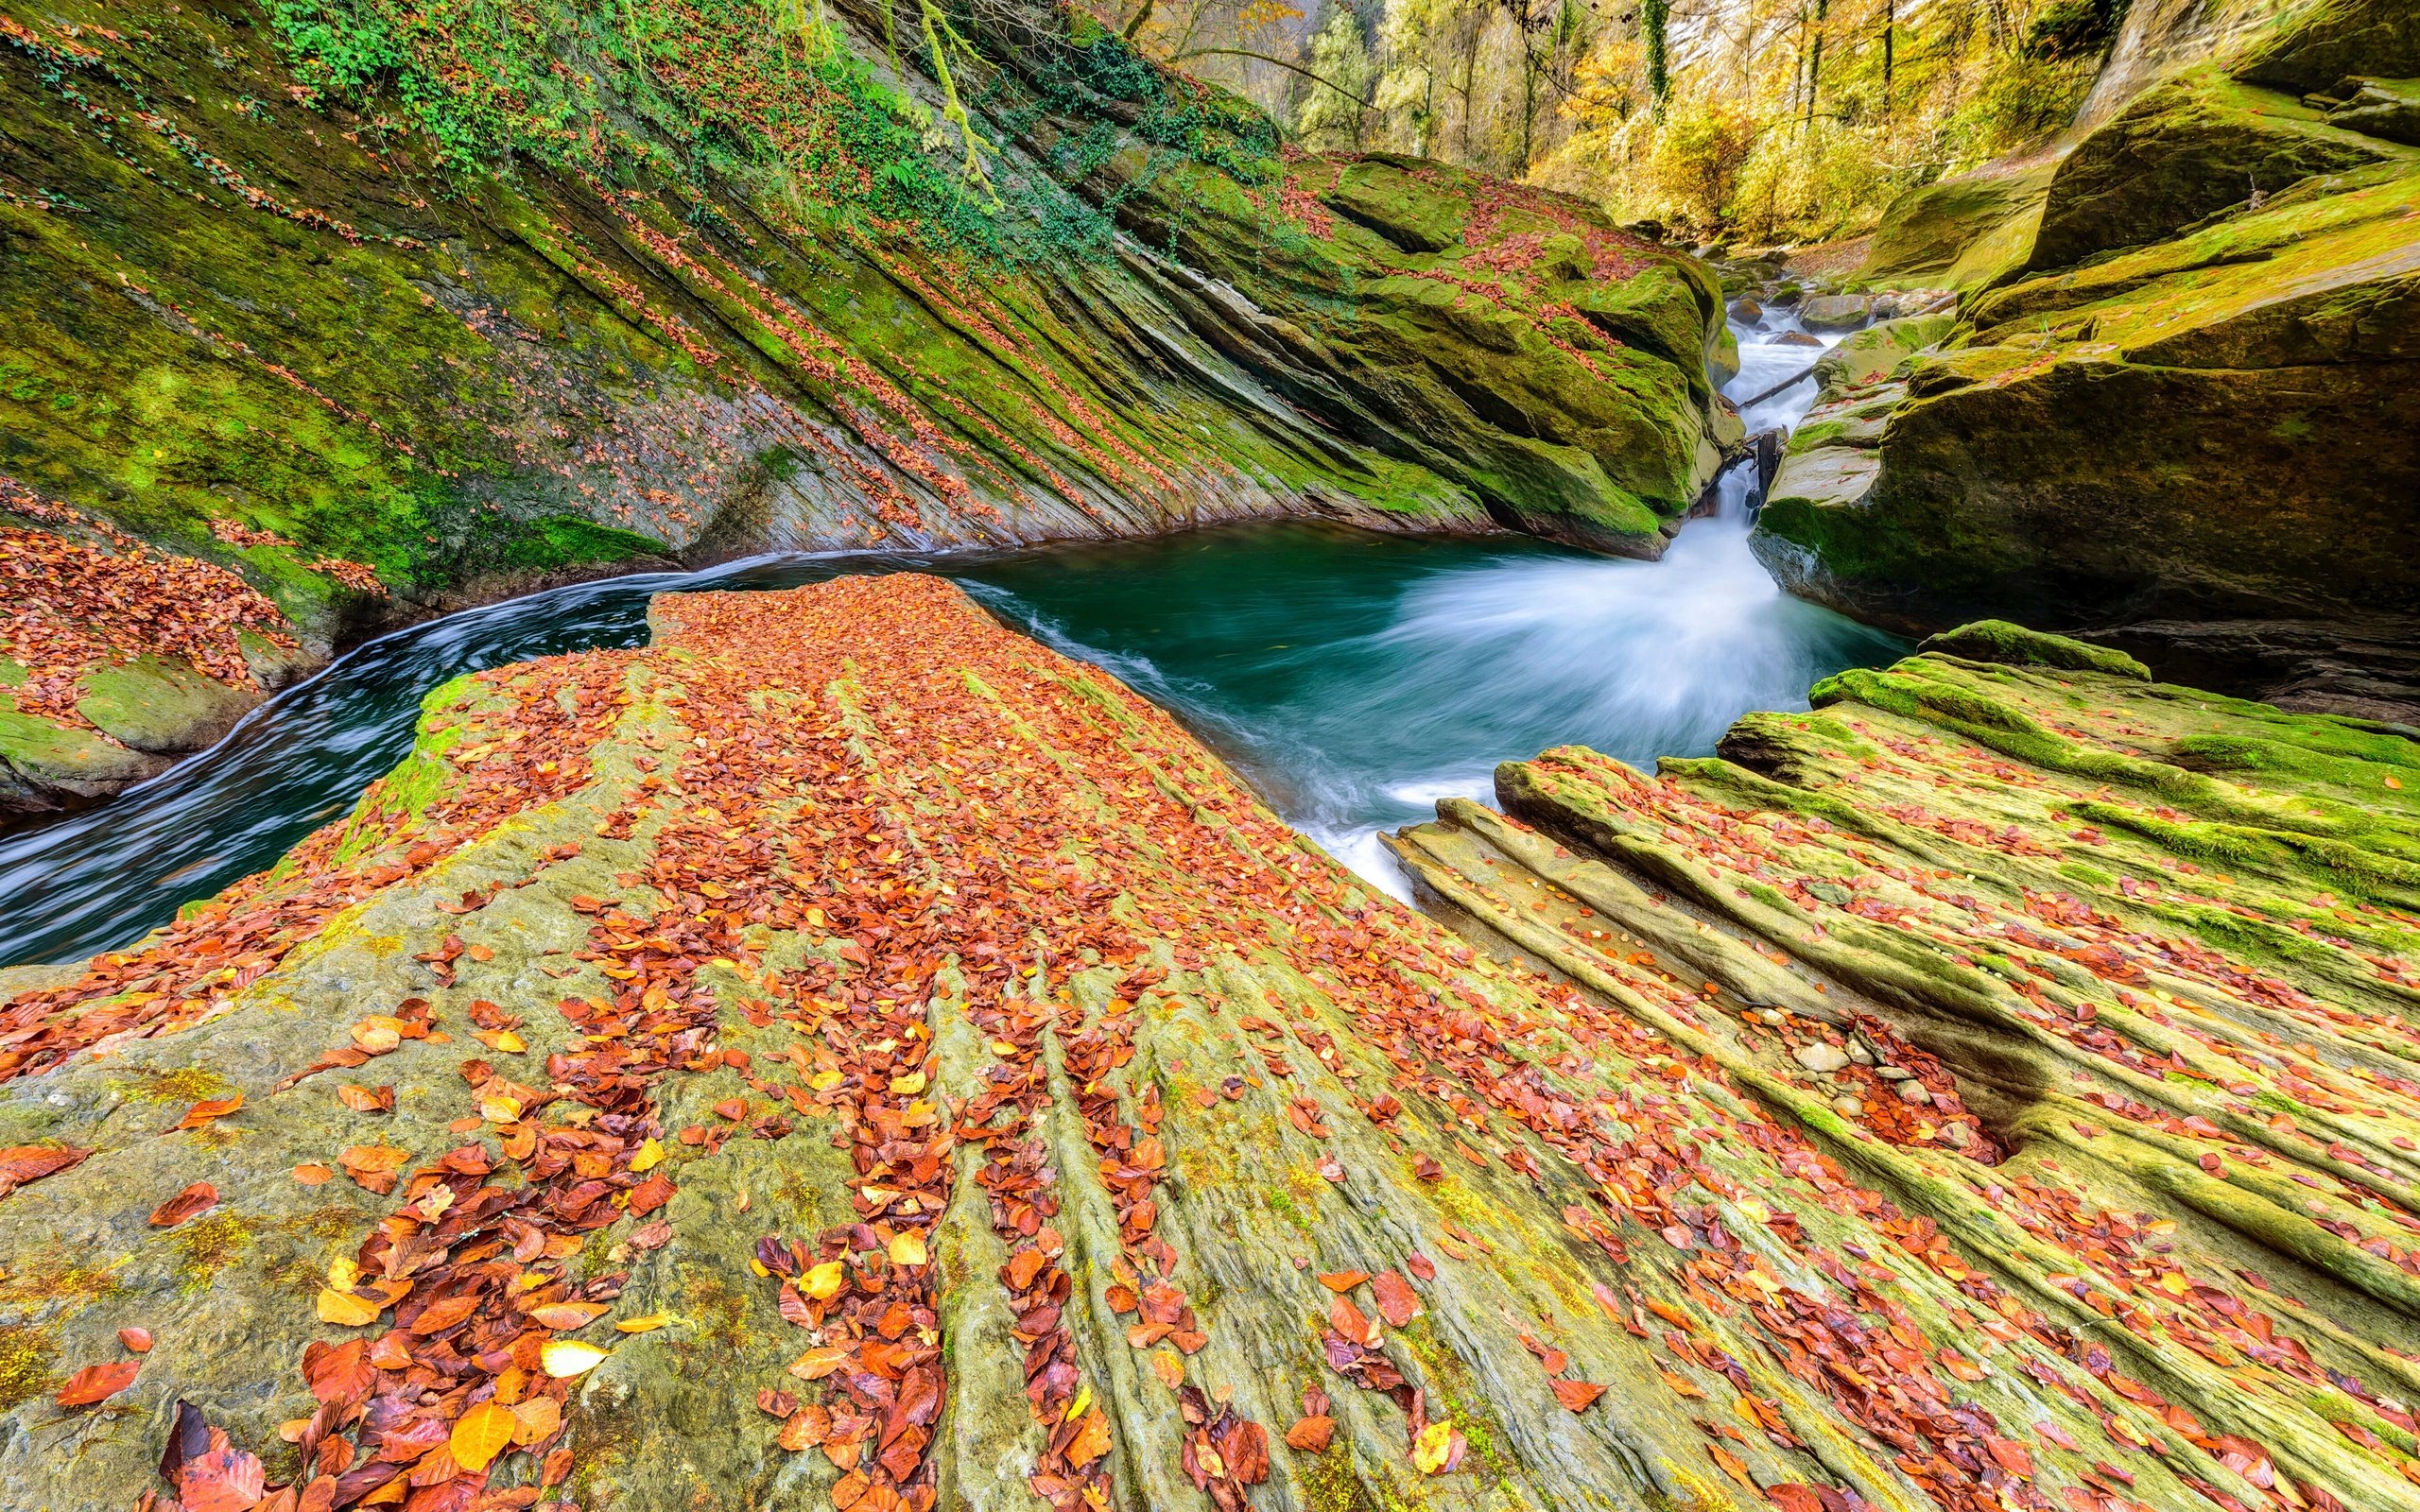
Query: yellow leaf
(480,1434)
(345,1310)
(1075,1408)
(567,1315)
(824,1080)
(909,1085)
(500,1110)
(1435,1444)
(643,1325)
(569,1357)
(343,1273)
(378,1034)
(907,1248)
(824,1283)
(651,1156)
(500,1039)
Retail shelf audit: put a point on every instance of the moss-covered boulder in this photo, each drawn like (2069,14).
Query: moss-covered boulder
(2056,954)
(1508,339)
(2184,151)
(2200,427)
(1960,232)
(848,1054)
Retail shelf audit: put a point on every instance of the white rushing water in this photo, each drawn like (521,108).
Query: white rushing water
(1639,658)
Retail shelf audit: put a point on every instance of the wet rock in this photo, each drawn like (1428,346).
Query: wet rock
(1835,312)
(1746,311)
(1821,1059)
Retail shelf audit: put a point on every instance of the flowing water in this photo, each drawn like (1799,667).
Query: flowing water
(1354,678)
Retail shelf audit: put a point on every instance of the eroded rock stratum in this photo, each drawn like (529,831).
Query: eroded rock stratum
(847,1055)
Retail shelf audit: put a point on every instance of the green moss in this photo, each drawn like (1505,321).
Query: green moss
(2011,644)
(29,1361)
(208,1245)
(173,1084)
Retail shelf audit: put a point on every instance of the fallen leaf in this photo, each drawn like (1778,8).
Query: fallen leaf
(345,1310)
(563,1358)
(1311,1435)
(480,1434)
(1577,1395)
(96,1382)
(209,1108)
(194,1200)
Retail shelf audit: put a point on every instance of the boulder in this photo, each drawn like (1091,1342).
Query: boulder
(1961,232)
(2319,42)
(2383,108)
(1835,312)
(2202,428)
(2036,808)
(2194,146)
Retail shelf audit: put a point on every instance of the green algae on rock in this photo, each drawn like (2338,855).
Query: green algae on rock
(920,1071)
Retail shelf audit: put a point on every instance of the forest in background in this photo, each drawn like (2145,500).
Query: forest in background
(1759,120)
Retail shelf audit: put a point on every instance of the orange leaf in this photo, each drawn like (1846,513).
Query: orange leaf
(1343,1281)
(97,1383)
(1311,1435)
(1577,1395)
(202,1112)
(195,1199)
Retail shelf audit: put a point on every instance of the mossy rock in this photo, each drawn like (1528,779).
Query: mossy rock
(1384,194)
(1999,641)
(2334,40)
(1878,352)
(2191,429)
(1947,231)
(161,706)
(2193,146)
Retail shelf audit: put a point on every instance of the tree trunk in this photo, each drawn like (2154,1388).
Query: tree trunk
(849,1054)
(1815,62)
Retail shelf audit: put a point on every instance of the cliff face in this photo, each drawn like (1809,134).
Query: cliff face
(379,309)
(2184,369)
(848,1054)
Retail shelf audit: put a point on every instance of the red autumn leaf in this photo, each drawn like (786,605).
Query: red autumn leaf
(195,1199)
(1397,1302)
(208,1109)
(1577,1395)
(96,1382)
(1311,1435)
(22,1164)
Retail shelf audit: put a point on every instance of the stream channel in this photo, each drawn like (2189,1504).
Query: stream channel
(1353,678)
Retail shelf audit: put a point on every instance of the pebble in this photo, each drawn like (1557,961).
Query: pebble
(1859,1053)
(1821,1059)
(1914,1092)
(1847,1107)
(1958,1134)
(1892,1073)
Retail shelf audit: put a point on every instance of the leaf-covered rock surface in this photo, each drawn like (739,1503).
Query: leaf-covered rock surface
(382,306)
(847,1055)
(2107,985)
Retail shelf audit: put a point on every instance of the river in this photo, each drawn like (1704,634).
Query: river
(1354,678)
